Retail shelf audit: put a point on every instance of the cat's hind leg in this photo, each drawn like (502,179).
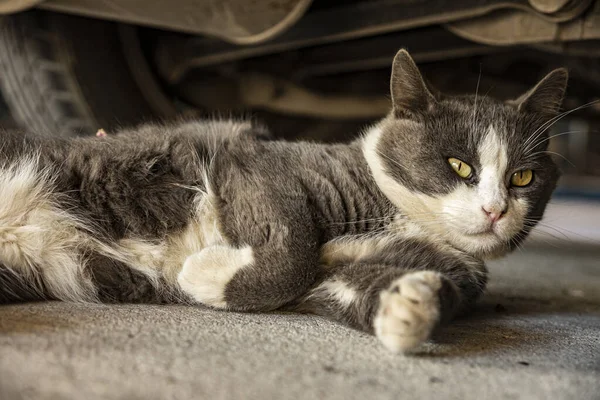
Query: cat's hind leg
(251,278)
(270,264)
(205,274)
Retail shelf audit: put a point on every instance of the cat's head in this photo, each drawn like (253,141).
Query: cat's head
(470,169)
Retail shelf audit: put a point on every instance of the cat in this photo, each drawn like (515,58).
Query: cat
(387,234)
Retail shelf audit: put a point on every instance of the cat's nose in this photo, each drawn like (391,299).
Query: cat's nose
(493,214)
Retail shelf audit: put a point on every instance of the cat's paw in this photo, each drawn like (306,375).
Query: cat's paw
(205,274)
(408,311)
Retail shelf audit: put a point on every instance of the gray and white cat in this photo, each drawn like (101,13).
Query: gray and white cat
(387,234)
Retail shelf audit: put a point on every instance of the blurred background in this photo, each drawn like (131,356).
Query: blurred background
(309,70)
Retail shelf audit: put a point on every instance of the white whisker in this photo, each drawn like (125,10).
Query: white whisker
(551,122)
(553,153)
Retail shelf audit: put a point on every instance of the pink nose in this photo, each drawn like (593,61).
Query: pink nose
(493,215)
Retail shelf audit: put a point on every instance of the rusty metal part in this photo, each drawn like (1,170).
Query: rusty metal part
(366,54)
(13,6)
(253,83)
(177,55)
(268,93)
(516,27)
(258,91)
(548,6)
(582,49)
(377,52)
(235,21)
(256,21)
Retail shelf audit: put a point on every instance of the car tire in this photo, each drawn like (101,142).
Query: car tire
(63,75)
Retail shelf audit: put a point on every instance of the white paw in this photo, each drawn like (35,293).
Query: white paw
(408,311)
(205,274)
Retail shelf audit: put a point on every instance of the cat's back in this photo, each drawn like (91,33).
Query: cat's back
(279,158)
(332,180)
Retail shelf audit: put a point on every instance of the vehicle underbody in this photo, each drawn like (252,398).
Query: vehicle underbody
(320,69)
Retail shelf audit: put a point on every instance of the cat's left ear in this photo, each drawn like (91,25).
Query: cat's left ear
(546,97)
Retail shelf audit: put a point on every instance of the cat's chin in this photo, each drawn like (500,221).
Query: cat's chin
(486,245)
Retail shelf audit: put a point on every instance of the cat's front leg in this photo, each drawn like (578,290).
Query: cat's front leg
(409,310)
(400,291)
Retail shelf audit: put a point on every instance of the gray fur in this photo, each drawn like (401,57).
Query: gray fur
(287,200)
(372,275)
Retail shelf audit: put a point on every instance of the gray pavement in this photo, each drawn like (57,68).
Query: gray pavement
(535,335)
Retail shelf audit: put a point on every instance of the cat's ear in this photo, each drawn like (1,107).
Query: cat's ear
(546,97)
(410,96)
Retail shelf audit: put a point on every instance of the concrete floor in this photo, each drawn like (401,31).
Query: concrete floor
(536,335)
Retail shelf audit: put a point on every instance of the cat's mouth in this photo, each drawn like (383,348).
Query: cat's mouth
(488,243)
(488,231)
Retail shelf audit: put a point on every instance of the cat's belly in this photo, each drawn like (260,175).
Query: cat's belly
(59,255)
(164,260)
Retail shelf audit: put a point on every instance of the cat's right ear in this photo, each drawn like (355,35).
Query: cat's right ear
(410,97)
(546,97)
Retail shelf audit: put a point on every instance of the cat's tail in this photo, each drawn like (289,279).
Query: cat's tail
(40,242)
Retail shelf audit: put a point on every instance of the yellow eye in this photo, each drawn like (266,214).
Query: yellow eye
(461,168)
(521,178)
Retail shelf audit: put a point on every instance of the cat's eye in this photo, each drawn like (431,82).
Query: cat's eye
(521,178)
(461,168)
